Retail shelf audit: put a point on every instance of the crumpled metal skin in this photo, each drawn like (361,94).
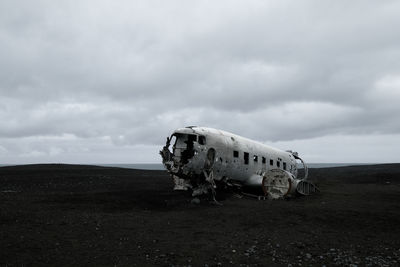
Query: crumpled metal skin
(203,157)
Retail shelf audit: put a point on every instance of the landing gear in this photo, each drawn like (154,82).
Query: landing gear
(210,179)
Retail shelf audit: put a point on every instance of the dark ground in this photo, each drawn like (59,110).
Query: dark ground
(64,215)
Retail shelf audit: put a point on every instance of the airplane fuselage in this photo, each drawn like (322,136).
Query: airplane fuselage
(198,151)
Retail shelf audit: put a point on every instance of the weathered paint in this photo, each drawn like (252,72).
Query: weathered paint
(201,156)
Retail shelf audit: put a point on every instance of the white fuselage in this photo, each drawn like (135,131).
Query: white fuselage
(231,157)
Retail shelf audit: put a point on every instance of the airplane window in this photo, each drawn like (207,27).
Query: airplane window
(202,140)
(246,158)
(235,154)
(264,160)
(284,166)
(172,140)
(255,158)
(271,162)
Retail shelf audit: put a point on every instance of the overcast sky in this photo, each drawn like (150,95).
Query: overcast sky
(107,81)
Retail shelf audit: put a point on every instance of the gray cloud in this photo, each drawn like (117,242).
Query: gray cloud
(127,73)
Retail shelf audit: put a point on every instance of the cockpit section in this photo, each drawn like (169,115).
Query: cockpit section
(183,149)
(180,150)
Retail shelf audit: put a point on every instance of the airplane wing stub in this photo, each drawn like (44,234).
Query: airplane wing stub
(277,183)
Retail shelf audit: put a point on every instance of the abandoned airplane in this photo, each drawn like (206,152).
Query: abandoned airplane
(202,158)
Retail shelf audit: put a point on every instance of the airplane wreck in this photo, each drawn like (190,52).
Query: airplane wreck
(201,159)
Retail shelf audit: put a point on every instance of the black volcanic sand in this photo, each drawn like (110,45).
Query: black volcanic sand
(85,215)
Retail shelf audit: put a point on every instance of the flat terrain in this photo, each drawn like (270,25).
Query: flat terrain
(68,215)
